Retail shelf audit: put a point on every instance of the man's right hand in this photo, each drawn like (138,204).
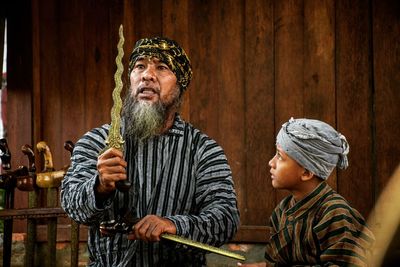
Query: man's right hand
(111,168)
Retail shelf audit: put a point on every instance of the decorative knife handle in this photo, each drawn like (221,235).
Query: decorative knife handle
(44,149)
(5,155)
(114,138)
(28,151)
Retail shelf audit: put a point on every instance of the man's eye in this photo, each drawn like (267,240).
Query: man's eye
(162,67)
(139,66)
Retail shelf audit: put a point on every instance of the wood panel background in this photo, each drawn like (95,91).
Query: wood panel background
(256,64)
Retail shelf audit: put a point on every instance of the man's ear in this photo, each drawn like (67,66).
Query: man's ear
(307,175)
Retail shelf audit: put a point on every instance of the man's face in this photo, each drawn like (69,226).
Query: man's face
(154,96)
(153,81)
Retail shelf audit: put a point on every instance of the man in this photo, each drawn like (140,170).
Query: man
(181,181)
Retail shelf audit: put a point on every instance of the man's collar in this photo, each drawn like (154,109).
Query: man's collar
(178,126)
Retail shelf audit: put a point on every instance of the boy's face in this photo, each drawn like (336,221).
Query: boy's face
(285,172)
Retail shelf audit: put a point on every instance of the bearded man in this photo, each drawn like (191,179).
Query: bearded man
(181,182)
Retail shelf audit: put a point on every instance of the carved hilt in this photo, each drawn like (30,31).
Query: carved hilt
(69,146)
(44,150)
(27,150)
(5,154)
(48,178)
(8,179)
(27,183)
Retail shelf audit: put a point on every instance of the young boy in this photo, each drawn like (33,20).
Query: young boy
(314,225)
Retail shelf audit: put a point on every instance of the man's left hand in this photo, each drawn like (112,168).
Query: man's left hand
(151,227)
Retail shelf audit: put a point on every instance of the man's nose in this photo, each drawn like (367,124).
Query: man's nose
(149,74)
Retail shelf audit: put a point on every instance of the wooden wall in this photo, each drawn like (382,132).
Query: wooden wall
(256,64)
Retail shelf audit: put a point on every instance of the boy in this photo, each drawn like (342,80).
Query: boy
(314,225)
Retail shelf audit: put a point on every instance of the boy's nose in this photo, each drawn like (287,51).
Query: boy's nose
(271,162)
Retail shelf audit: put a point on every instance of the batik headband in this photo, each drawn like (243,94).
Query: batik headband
(169,52)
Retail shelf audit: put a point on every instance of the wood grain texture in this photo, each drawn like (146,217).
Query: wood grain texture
(255,63)
(100,50)
(19,91)
(51,78)
(231,111)
(204,90)
(354,102)
(148,16)
(72,66)
(386,76)
(257,197)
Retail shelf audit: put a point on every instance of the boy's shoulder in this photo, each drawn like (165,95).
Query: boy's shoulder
(333,205)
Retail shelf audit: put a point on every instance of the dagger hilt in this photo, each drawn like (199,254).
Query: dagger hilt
(5,154)
(44,150)
(27,150)
(28,182)
(69,145)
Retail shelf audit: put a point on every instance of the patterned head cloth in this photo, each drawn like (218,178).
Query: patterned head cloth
(315,145)
(169,52)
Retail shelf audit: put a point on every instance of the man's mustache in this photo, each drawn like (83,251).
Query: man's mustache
(144,88)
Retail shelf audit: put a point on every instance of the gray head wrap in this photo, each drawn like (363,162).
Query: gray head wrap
(315,145)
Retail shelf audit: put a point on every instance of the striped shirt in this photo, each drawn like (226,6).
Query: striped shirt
(321,229)
(182,175)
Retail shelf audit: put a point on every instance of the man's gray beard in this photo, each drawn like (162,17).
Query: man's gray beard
(142,119)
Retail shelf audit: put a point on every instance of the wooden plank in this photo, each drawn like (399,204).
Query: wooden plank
(354,102)
(176,27)
(63,233)
(253,234)
(72,77)
(47,212)
(50,73)
(230,85)
(19,85)
(36,59)
(386,61)
(99,64)
(255,192)
(129,28)
(204,90)
(149,14)
(118,14)
(319,64)
(289,67)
